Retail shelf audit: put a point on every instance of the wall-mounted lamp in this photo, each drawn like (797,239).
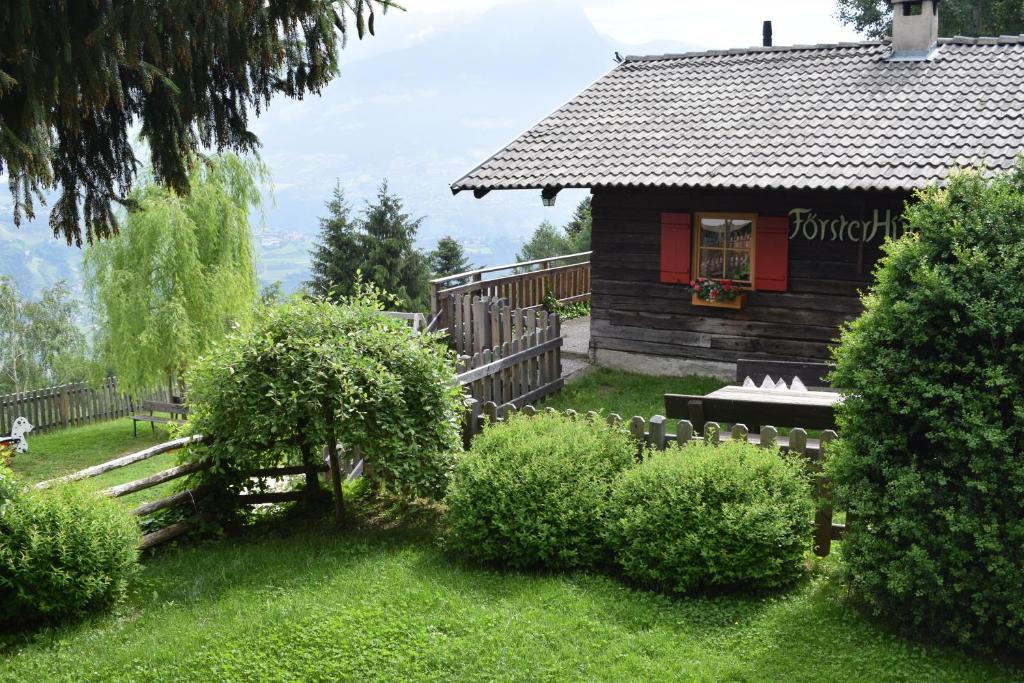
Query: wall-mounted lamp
(548,194)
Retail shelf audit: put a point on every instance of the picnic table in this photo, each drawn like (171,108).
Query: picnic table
(755,407)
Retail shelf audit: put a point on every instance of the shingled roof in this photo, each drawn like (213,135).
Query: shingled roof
(819,117)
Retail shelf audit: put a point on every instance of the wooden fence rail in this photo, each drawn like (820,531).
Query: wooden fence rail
(566,278)
(654,433)
(69,405)
(192,495)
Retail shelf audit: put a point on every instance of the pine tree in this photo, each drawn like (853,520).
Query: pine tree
(390,259)
(77,77)
(448,258)
(337,255)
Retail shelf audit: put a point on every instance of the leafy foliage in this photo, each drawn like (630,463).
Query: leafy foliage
(702,516)
(873,18)
(531,492)
(179,276)
(931,457)
(377,247)
(40,341)
(75,78)
(310,372)
(63,552)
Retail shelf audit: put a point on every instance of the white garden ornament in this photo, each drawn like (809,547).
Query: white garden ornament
(19,429)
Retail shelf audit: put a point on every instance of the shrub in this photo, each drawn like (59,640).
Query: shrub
(63,552)
(701,516)
(532,492)
(312,372)
(930,458)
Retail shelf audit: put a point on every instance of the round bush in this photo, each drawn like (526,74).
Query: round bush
(63,553)
(931,458)
(700,517)
(532,492)
(310,373)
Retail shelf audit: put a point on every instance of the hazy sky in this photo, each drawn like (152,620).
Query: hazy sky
(709,23)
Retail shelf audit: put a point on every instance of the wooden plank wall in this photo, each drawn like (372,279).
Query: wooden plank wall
(634,312)
(68,405)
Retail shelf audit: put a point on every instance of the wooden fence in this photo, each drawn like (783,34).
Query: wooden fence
(566,277)
(188,497)
(507,355)
(68,405)
(654,433)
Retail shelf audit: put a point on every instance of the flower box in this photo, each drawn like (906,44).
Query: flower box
(735,304)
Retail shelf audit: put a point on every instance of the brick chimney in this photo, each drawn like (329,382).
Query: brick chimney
(915,29)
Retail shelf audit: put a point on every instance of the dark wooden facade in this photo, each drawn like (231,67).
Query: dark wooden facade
(829,261)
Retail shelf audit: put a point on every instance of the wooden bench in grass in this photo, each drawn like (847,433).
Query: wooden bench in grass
(178,414)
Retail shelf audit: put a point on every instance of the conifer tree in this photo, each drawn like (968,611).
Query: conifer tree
(448,258)
(336,256)
(76,77)
(390,259)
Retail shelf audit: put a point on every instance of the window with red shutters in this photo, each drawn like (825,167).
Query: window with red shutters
(676,240)
(771,254)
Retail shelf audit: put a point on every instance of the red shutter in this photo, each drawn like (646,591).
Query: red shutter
(675,248)
(771,257)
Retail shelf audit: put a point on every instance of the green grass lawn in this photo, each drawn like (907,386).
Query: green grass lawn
(626,393)
(323,605)
(64,451)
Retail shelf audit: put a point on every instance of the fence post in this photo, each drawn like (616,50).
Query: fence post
(684,432)
(823,498)
(471,425)
(769,436)
(658,432)
(491,411)
(65,408)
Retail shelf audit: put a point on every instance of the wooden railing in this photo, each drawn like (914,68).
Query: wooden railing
(189,496)
(524,286)
(68,405)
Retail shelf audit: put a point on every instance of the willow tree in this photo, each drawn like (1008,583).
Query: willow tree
(76,77)
(179,275)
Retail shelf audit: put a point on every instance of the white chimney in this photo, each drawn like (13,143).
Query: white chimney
(915,29)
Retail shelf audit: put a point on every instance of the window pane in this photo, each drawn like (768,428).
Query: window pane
(712,232)
(711,263)
(738,266)
(740,233)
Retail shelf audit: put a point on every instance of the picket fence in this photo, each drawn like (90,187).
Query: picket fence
(654,433)
(506,355)
(68,405)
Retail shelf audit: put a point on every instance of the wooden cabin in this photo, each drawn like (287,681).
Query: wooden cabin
(779,169)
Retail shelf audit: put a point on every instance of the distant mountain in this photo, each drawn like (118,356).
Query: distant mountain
(421,117)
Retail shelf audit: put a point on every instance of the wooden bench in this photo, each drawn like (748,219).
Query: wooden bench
(174,409)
